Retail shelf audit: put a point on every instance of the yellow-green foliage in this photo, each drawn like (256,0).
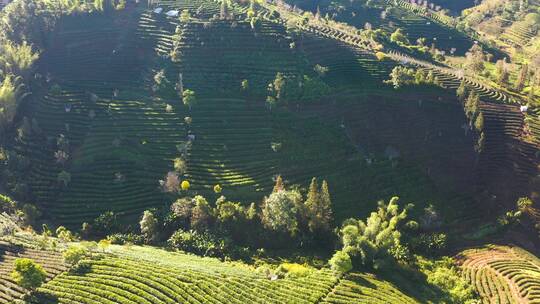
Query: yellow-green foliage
(6,202)
(8,101)
(28,274)
(295,270)
(445,275)
(74,254)
(17,58)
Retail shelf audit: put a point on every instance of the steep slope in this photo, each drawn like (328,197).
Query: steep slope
(99,102)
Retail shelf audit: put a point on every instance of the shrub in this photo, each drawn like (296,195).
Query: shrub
(64,234)
(185,16)
(381,56)
(171,182)
(401,76)
(81,268)
(106,223)
(445,275)
(18,58)
(180,165)
(201,243)
(341,262)
(399,37)
(126,238)
(30,214)
(7,204)
(293,270)
(74,254)
(430,243)
(28,274)
(320,70)
(55,90)
(8,101)
(182,208)
(201,214)
(185,185)
(121,5)
(188,98)
(149,226)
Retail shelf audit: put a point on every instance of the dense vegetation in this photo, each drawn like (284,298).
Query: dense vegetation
(201,151)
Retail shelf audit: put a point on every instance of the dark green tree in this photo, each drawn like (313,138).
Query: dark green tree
(318,209)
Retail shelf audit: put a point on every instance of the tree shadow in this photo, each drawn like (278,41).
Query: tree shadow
(361,281)
(414,284)
(39,297)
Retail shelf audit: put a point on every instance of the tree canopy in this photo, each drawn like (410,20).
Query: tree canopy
(28,274)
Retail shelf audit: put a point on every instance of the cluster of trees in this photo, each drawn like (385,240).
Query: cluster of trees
(231,229)
(402,76)
(25,214)
(375,242)
(389,241)
(16,61)
(388,238)
(523,215)
(522,78)
(521,11)
(471,106)
(283,217)
(420,48)
(164,87)
(285,88)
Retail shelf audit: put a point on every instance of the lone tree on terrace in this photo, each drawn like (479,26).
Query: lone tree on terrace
(188,98)
(475,59)
(279,211)
(149,226)
(28,274)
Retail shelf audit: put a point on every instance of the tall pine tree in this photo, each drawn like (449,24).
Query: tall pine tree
(318,207)
(326,204)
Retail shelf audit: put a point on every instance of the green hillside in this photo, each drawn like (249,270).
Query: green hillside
(279,151)
(123,143)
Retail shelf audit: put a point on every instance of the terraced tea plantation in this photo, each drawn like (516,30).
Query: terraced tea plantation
(248,151)
(144,275)
(503,274)
(50,260)
(122,136)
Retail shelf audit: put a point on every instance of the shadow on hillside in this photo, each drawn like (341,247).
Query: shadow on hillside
(362,282)
(6,249)
(414,284)
(39,297)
